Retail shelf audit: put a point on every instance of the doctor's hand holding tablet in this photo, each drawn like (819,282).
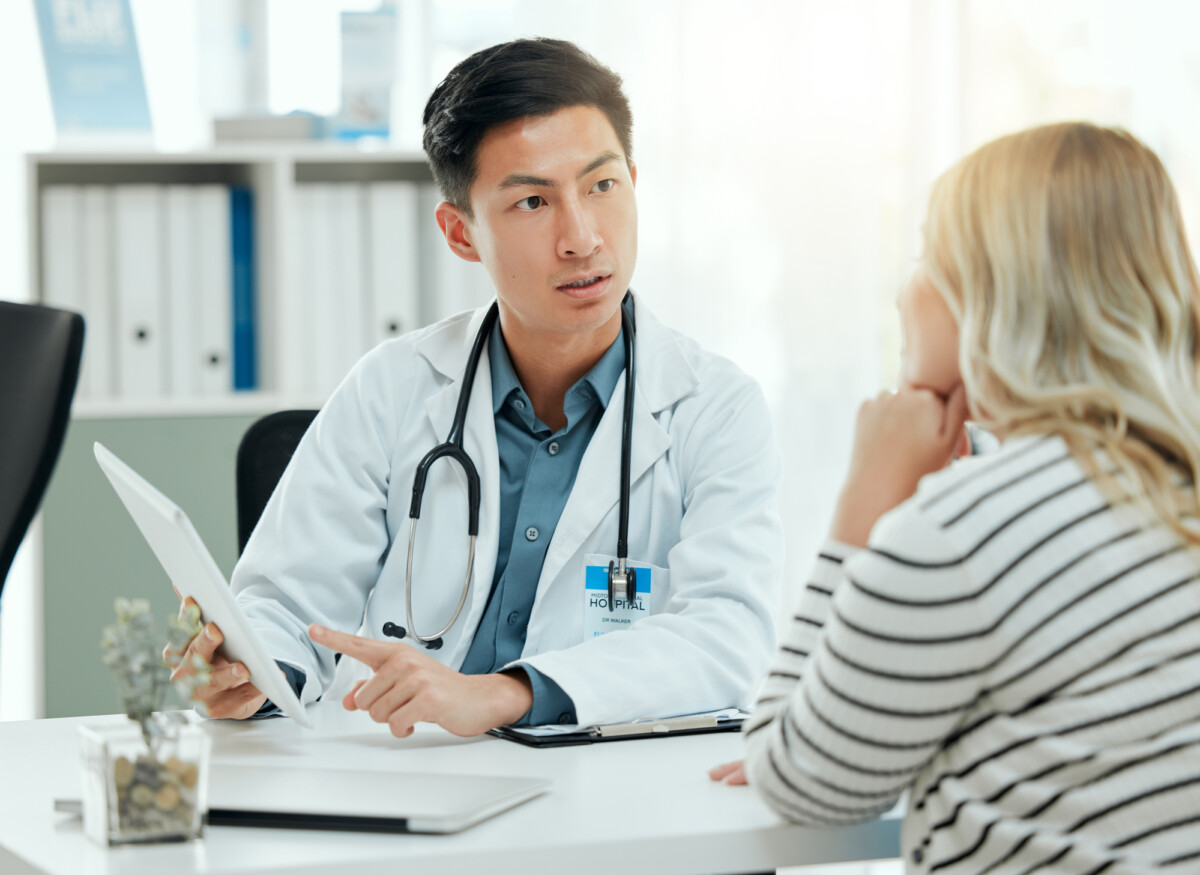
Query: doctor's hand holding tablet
(229,692)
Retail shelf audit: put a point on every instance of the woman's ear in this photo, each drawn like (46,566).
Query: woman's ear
(456,228)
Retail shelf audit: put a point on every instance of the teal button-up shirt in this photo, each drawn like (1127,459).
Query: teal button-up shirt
(537,471)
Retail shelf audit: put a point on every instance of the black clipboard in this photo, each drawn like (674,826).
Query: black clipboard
(689,724)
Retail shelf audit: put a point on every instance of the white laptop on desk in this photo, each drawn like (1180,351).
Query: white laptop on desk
(359,800)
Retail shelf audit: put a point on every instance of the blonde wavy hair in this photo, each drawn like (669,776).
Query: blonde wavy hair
(1060,250)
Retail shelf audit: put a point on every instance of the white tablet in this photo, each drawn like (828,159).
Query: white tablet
(192,569)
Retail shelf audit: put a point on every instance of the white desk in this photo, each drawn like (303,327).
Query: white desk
(624,807)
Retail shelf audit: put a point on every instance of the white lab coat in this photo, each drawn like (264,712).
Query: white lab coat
(332,542)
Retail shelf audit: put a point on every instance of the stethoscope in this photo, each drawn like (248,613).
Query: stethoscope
(622,578)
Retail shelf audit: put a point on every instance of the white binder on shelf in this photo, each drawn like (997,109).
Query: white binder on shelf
(347,213)
(393,265)
(62,209)
(140,340)
(214,289)
(325,354)
(182,292)
(96,279)
(450,284)
(62,257)
(297,375)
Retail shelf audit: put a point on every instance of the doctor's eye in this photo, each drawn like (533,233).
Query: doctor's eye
(604,185)
(531,203)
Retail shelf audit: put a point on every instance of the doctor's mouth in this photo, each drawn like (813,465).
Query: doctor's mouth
(584,287)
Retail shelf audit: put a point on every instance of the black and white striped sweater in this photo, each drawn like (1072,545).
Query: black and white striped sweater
(1020,654)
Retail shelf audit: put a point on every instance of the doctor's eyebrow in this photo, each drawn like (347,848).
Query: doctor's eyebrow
(604,158)
(513,180)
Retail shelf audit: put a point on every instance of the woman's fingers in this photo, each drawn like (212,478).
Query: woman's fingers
(730,773)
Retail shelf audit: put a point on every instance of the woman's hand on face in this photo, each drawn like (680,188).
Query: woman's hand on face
(899,438)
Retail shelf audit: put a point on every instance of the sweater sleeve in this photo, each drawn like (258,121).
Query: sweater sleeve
(882,658)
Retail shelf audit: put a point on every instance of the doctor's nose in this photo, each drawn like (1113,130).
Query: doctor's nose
(578,236)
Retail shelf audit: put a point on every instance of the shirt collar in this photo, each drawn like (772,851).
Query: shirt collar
(504,376)
(600,382)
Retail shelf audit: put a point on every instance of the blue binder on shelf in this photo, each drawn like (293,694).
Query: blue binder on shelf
(245,304)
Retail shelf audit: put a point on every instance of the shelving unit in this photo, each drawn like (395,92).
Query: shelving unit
(273,172)
(91,552)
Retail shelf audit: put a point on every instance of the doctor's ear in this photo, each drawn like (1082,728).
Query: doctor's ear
(457,231)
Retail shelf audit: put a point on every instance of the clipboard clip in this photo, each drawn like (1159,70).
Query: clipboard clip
(656,726)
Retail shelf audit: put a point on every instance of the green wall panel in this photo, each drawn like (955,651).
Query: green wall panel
(93,552)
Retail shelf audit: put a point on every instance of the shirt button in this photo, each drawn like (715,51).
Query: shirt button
(519,403)
(566,717)
(553,448)
(512,618)
(531,534)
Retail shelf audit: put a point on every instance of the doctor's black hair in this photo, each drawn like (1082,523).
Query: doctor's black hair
(525,77)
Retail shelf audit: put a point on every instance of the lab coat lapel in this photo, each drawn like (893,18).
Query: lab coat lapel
(664,375)
(446,348)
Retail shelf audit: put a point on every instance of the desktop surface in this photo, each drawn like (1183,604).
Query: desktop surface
(642,806)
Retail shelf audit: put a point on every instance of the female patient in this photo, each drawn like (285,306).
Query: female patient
(1017,642)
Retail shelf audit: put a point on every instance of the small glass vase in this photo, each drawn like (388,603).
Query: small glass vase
(133,792)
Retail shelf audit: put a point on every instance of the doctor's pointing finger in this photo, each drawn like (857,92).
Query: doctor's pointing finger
(407,687)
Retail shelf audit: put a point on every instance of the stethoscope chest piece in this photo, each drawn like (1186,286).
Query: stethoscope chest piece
(391,630)
(622,583)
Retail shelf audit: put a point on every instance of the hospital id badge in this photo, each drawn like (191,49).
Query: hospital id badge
(599,617)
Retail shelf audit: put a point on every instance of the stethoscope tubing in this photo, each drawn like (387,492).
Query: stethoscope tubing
(626,437)
(452,449)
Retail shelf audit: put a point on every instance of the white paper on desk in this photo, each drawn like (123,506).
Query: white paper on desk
(550,729)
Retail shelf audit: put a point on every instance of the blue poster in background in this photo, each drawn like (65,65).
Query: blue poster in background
(93,67)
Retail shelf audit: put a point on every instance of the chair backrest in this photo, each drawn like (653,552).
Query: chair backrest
(263,454)
(40,350)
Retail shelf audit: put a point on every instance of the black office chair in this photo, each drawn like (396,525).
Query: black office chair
(40,350)
(263,454)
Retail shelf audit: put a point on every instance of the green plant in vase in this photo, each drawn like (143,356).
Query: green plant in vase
(154,791)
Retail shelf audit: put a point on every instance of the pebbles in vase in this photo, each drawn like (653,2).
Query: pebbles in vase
(155,798)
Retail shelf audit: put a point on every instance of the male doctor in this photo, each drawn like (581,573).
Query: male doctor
(530,143)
